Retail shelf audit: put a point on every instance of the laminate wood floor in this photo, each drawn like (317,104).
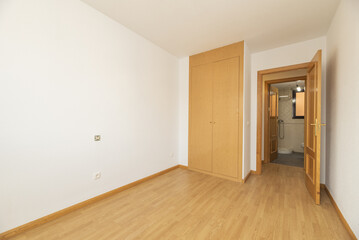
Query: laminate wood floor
(183,204)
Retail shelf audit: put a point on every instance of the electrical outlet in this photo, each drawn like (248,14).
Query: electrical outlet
(97,175)
(97,137)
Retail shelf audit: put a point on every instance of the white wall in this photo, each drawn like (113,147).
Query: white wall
(67,72)
(246,112)
(342,176)
(183,110)
(287,55)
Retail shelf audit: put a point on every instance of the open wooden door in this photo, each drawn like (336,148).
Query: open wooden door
(313,127)
(273,123)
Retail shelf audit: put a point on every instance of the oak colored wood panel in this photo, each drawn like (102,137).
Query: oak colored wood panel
(225,117)
(273,123)
(266,133)
(299,103)
(218,54)
(211,58)
(185,204)
(273,102)
(200,142)
(312,126)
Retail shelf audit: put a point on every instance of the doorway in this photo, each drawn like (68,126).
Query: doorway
(267,141)
(285,119)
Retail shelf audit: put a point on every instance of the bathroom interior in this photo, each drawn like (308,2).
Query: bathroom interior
(289,97)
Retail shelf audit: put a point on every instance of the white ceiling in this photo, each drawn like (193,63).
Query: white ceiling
(186,27)
(286,74)
(289,85)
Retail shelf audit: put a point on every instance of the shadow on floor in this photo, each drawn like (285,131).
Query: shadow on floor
(293,159)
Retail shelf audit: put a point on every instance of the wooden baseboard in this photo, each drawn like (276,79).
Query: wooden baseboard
(33,224)
(248,175)
(345,223)
(182,166)
(255,172)
(239,179)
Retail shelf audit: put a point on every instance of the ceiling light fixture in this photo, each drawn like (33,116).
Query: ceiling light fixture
(299,88)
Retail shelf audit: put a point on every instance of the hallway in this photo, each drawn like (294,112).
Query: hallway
(188,205)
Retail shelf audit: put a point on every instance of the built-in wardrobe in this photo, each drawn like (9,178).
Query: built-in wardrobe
(216,112)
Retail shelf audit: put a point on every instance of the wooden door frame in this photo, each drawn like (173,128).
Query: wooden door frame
(267,119)
(262,90)
(266,115)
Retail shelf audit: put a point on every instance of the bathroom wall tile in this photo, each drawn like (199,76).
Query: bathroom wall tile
(293,128)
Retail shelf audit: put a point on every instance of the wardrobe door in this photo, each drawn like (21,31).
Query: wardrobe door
(225,117)
(200,139)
